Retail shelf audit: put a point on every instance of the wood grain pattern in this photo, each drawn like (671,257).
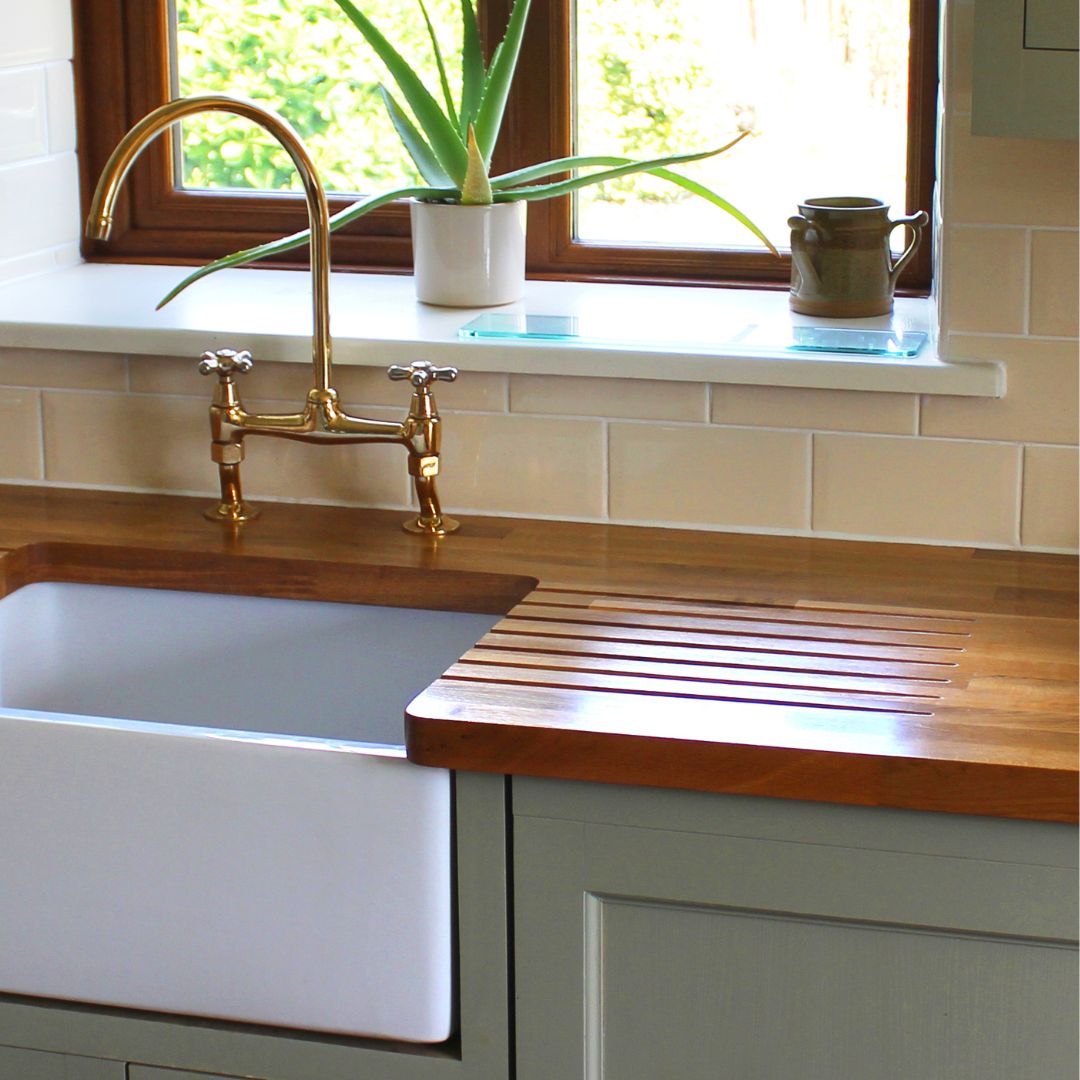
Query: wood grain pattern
(880,687)
(874,674)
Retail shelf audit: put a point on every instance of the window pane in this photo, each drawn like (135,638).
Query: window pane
(304,59)
(822,84)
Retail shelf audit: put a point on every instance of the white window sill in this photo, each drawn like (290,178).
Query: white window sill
(376,321)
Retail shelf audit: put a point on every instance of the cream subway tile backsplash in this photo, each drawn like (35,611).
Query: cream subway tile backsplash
(742,477)
(46,368)
(180,375)
(933,489)
(161,443)
(35,32)
(1054,283)
(20,434)
(523,465)
(61,98)
(475,391)
(38,205)
(1040,405)
(631,399)
(986,279)
(1050,510)
(823,410)
(38,194)
(1011,181)
(22,115)
(956,65)
(364,475)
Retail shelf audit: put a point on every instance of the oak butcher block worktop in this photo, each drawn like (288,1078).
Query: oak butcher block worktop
(873,674)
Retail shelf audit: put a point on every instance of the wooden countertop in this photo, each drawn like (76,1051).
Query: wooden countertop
(874,674)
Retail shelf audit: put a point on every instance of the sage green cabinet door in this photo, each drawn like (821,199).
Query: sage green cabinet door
(17,1064)
(650,953)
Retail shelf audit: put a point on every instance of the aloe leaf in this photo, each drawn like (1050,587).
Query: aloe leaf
(442,135)
(717,200)
(298,239)
(476,191)
(419,151)
(561,187)
(472,66)
(499,77)
(443,80)
(579,161)
(656,167)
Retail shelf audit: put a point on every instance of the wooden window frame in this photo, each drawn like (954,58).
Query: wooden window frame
(121,72)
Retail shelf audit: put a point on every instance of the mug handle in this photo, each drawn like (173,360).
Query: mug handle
(799,255)
(915,223)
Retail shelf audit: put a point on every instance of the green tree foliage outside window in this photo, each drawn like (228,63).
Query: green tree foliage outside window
(302,59)
(652,77)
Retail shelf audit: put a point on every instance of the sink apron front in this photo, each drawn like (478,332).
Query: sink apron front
(205,808)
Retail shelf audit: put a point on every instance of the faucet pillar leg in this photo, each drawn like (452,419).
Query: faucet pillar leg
(430,521)
(232,509)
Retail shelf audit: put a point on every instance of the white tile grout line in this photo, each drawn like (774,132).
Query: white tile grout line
(810,482)
(45,109)
(605,471)
(1017,536)
(1028,246)
(41,432)
(1009,337)
(33,65)
(709,391)
(996,227)
(37,159)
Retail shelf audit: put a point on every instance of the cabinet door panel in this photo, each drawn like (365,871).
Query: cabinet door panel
(710,994)
(648,953)
(18,1064)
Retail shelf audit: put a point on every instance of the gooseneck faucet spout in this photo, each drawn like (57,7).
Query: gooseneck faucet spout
(321,419)
(102,207)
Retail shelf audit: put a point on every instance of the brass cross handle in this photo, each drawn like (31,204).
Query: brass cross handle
(422,373)
(225,362)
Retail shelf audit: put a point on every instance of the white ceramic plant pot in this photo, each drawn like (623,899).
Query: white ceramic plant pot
(468,256)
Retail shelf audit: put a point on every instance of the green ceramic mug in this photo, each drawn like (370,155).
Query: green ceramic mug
(841,261)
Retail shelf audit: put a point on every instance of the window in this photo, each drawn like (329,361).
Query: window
(643,77)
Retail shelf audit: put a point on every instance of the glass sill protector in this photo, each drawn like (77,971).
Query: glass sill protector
(752,338)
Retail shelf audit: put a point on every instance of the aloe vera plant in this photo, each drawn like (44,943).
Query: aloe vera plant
(451,143)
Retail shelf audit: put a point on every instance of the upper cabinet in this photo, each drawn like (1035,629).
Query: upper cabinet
(1026,69)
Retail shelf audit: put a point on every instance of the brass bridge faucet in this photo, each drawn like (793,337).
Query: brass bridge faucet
(321,419)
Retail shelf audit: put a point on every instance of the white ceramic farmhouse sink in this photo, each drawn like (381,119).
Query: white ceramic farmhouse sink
(205,808)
